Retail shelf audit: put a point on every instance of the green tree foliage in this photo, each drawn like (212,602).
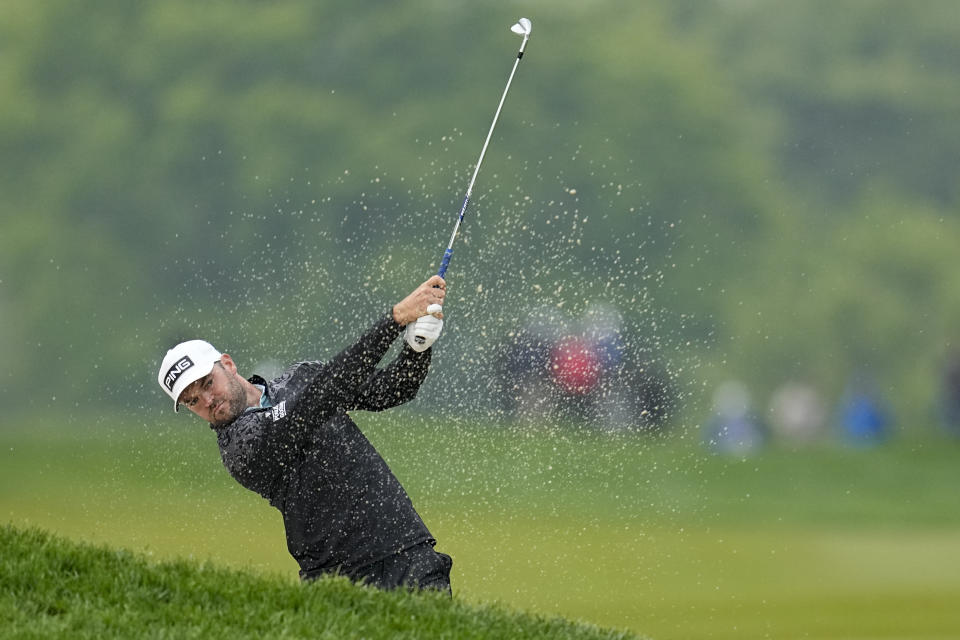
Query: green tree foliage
(866,91)
(270,175)
(864,148)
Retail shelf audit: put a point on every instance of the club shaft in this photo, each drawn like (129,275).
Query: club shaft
(476,170)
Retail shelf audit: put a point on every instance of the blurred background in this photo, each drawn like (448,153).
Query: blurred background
(704,228)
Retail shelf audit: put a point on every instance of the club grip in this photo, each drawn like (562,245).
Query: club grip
(445,262)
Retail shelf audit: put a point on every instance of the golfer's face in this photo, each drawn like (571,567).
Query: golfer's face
(217,397)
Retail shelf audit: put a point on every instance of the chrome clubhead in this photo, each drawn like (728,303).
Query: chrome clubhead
(522,28)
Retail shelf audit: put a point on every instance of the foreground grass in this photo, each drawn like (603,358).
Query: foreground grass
(50,587)
(648,534)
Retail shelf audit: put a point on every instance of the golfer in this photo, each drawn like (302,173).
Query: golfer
(291,440)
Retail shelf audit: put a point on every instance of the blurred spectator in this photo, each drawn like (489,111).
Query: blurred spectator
(525,368)
(603,327)
(950,393)
(575,365)
(593,373)
(797,413)
(863,417)
(733,428)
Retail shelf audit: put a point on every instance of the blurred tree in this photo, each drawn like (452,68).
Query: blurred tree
(865,90)
(242,170)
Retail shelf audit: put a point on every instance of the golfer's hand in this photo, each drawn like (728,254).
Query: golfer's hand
(421,335)
(415,305)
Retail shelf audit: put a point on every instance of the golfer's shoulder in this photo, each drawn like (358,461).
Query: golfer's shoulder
(294,378)
(248,424)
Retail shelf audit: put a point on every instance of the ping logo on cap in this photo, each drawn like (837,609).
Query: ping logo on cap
(176,371)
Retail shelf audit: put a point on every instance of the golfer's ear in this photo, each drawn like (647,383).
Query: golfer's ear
(228,363)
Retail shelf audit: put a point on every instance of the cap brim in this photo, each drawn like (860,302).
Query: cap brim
(188,379)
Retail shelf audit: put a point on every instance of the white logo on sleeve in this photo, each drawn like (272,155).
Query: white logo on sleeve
(280,411)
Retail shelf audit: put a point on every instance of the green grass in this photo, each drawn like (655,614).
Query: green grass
(651,535)
(56,588)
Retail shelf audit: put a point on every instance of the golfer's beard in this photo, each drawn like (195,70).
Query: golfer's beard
(236,403)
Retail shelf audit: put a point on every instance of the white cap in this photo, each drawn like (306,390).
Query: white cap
(185,363)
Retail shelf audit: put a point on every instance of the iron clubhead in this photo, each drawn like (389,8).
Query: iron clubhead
(522,28)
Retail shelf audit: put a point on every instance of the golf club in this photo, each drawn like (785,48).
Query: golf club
(521,28)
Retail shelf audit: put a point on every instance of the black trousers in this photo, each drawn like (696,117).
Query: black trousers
(419,567)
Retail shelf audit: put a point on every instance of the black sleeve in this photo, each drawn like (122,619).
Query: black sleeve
(396,383)
(339,382)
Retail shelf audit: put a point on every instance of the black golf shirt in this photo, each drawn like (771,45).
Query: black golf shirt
(342,506)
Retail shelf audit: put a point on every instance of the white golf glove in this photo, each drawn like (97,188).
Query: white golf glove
(420,335)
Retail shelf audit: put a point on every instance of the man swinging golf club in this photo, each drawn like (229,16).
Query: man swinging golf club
(291,440)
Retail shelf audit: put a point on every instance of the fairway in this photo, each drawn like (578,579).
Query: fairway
(651,535)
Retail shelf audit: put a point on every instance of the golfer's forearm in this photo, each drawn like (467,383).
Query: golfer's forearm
(395,384)
(355,364)
(338,383)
